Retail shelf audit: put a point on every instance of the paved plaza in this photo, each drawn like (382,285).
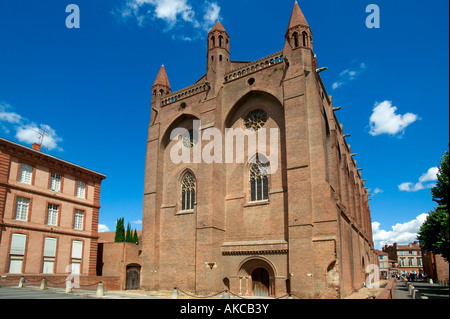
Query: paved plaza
(57,293)
(427,290)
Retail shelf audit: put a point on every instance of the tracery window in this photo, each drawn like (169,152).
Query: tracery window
(255,120)
(259,182)
(190,141)
(188,192)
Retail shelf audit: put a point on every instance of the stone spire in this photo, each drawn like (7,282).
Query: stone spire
(161,81)
(298,33)
(217,27)
(218,55)
(297,17)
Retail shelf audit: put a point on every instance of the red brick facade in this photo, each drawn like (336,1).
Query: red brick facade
(75,222)
(310,237)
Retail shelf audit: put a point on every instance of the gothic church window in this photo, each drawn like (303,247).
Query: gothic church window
(189,141)
(259,182)
(305,39)
(255,120)
(187,192)
(295,35)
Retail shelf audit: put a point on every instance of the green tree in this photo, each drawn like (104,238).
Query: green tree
(128,237)
(135,237)
(120,231)
(440,192)
(434,233)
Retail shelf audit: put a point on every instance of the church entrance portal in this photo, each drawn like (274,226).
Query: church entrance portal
(256,278)
(260,282)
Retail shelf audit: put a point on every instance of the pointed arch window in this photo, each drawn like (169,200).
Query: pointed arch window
(259,181)
(295,35)
(188,192)
(305,39)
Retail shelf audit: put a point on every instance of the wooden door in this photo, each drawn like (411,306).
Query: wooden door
(133,278)
(260,282)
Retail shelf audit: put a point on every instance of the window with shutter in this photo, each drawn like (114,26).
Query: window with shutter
(77,249)
(78,220)
(49,255)
(17,253)
(50,247)
(52,214)
(77,253)
(81,189)
(48,265)
(25,174)
(55,182)
(15,265)
(76,267)
(18,244)
(22,205)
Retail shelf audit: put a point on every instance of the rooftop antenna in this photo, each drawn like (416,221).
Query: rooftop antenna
(41,134)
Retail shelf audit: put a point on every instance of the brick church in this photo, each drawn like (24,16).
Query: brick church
(304,228)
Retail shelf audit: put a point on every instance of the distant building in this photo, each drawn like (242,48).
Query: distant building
(406,259)
(120,259)
(383,263)
(49,210)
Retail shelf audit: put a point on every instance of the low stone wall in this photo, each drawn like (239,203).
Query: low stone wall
(388,291)
(59,281)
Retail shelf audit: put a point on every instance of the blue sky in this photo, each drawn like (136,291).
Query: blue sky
(90,87)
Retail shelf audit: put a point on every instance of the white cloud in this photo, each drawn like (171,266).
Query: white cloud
(9,117)
(173,13)
(377,191)
(429,176)
(137,222)
(31,133)
(27,132)
(212,15)
(349,74)
(402,234)
(102,228)
(384,119)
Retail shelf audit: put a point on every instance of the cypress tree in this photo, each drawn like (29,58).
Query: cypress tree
(120,231)
(135,237)
(128,237)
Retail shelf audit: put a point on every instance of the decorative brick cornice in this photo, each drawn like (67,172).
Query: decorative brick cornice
(49,161)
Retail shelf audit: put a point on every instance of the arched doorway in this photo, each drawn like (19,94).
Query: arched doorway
(256,278)
(260,282)
(133,277)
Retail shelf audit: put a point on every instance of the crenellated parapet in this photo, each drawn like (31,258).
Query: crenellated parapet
(185,93)
(254,66)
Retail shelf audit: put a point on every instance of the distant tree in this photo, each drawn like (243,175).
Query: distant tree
(434,233)
(135,237)
(120,231)
(128,237)
(440,192)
